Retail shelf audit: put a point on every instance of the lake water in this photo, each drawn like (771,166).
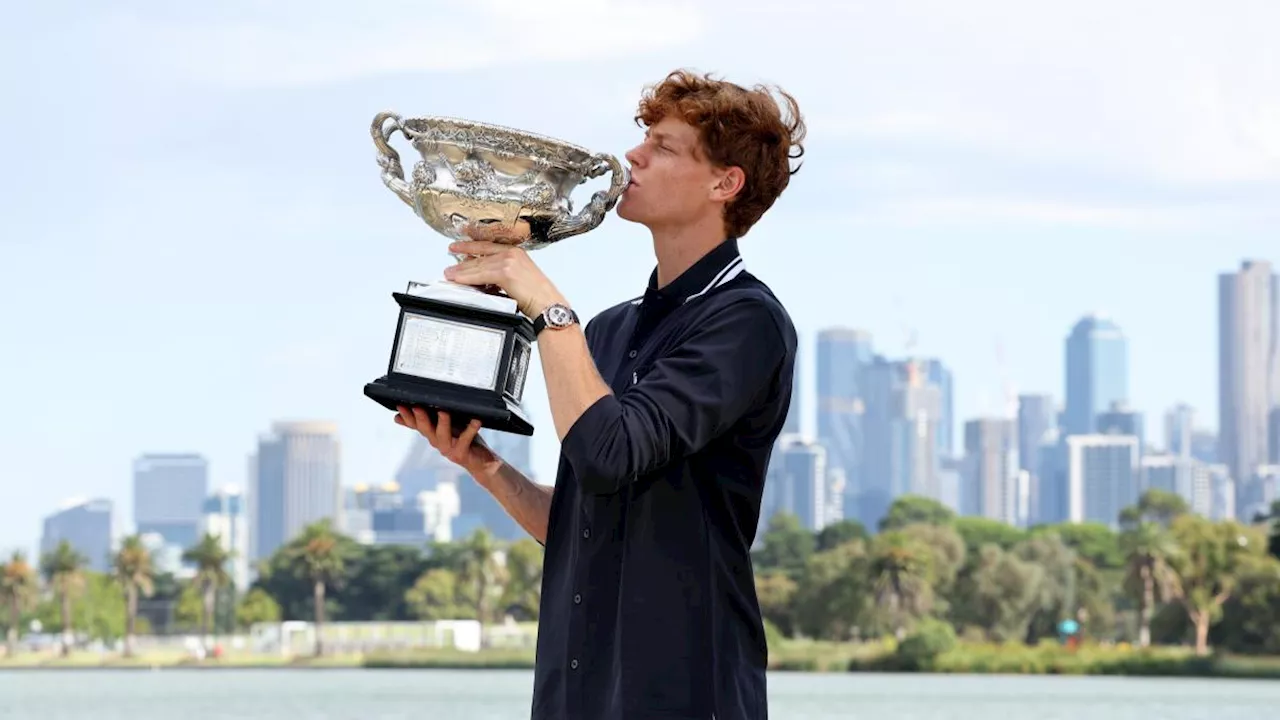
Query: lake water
(504,695)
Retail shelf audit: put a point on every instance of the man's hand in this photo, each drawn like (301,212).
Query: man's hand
(510,268)
(468,449)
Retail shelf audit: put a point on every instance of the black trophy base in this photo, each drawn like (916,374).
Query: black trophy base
(412,383)
(493,413)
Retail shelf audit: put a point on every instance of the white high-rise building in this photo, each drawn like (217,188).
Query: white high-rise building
(296,481)
(1102,477)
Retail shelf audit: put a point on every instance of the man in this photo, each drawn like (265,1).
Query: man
(667,407)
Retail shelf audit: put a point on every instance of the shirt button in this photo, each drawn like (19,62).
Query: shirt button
(577,598)
(574,663)
(632,354)
(586,532)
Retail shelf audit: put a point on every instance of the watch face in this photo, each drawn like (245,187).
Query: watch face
(558,315)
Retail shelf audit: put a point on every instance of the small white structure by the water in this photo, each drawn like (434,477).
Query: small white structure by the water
(295,637)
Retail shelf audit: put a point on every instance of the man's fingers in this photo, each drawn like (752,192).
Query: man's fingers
(444,431)
(405,417)
(470,274)
(468,435)
(423,422)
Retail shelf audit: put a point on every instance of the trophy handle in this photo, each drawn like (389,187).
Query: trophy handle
(601,202)
(388,158)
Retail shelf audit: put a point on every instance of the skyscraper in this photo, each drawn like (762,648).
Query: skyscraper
(169,492)
(1037,418)
(88,528)
(991,449)
(1097,372)
(1179,430)
(1248,365)
(1103,475)
(901,453)
(296,481)
(1120,419)
(842,356)
(798,483)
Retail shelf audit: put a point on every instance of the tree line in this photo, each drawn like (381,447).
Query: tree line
(320,575)
(1166,576)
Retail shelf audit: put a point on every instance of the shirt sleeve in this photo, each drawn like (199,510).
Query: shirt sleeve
(685,399)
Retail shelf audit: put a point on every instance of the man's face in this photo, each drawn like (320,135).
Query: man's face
(672,183)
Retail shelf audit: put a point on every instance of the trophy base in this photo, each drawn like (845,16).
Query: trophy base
(493,413)
(466,359)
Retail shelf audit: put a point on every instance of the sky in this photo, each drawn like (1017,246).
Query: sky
(194,240)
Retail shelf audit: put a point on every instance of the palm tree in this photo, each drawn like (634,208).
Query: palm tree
(210,559)
(18,589)
(132,569)
(320,557)
(900,567)
(63,569)
(1147,549)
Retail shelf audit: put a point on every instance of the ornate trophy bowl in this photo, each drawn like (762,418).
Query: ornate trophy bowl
(476,174)
(458,348)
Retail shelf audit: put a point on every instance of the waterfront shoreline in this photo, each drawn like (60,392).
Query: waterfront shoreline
(825,658)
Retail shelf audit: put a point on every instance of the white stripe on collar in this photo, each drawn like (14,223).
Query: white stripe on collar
(730,271)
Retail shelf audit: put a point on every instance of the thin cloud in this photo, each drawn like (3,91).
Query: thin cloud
(340,44)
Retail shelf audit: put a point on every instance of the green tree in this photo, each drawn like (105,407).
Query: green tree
(1251,616)
(1212,558)
(839,533)
(374,581)
(1056,592)
(19,588)
(785,546)
(911,509)
(132,569)
(1002,594)
(318,555)
(832,596)
(900,567)
(480,570)
(440,595)
(776,594)
(210,559)
(979,531)
(523,591)
(1093,541)
(64,570)
(947,555)
(256,607)
(1147,549)
(1155,506)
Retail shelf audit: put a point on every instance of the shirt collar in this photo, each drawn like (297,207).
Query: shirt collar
(722,264)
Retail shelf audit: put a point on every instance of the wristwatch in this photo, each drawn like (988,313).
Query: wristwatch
(556,316)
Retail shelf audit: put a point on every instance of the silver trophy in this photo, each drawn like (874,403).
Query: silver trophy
(458,348)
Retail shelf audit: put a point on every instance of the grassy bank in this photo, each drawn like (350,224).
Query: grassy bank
(1052,659)
(788,656)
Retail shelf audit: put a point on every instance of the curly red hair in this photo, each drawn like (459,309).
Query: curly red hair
(738,127)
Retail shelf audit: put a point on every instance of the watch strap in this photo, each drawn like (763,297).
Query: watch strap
(540,320)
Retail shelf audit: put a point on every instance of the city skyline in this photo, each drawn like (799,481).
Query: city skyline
(978,176)
(990,490)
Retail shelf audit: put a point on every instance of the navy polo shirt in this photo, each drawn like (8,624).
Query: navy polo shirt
(648,603)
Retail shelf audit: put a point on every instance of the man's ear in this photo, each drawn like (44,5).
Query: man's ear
(729,184)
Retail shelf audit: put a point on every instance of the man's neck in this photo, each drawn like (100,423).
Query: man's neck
(677,249)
